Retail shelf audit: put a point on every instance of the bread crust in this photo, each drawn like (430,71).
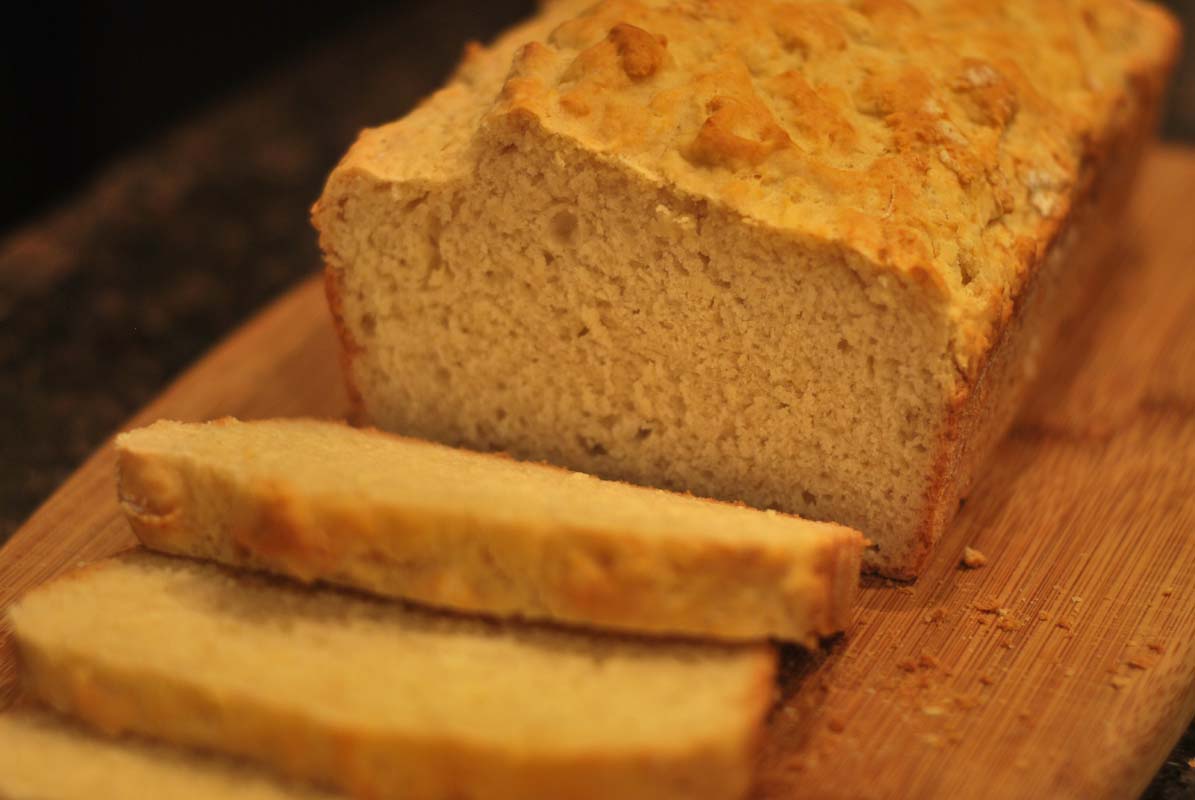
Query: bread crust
(1076,252)
(113,697)
(591,575)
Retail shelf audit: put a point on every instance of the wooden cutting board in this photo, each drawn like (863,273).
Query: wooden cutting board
(1064,668)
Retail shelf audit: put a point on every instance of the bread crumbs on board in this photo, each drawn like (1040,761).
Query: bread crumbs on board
(1009,623)
(1142,659)
(923,661)
(989,606)
(973,559)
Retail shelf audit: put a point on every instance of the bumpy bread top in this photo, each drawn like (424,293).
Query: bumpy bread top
(946,139)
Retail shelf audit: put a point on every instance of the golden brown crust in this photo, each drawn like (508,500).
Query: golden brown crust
(837,570)
(1078,248)
(956,169)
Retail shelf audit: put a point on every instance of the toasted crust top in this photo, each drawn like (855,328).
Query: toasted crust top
(944,141)
(943,138)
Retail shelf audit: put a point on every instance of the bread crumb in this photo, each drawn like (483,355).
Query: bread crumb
(1070,673)
(1119,682)
(1009,623)
(932,739)
(1157,647)
(1169,590)
(1043,616)
(905,589)
(1064,624)
(986,680)
(973,559)
(923,661)
(836,724)
(1142,661)
(967,702)
(933,711)
(937,615)
(989,606)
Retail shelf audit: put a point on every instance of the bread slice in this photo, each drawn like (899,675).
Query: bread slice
(802,255)
(481,532)
(46,758)
(382,700)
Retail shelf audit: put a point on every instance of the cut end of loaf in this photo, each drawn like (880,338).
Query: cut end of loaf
(690,373)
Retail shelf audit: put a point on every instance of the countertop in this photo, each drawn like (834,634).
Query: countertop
(105,300)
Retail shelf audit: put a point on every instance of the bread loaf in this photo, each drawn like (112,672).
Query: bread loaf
(801,255)
(479,532)
(384,701)
(44,758)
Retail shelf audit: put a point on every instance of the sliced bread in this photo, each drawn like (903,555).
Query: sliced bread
(481,532)
(383,700)
(45,758)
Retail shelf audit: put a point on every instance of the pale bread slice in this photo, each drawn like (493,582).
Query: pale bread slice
(43,757)
(482,532)
(380,699)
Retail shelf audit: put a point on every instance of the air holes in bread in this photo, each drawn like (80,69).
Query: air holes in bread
(562,226)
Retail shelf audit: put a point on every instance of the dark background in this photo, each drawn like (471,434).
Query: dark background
(85,82)
(158,163)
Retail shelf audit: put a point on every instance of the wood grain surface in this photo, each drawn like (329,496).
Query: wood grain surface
(1063,668)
